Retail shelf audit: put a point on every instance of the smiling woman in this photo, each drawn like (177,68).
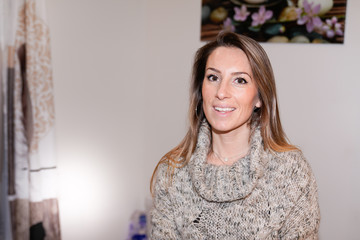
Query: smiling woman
(230,96)
(234,175)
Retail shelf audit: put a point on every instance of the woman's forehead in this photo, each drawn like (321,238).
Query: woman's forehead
(223,58)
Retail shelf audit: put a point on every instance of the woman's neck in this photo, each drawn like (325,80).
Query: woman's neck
(229,147)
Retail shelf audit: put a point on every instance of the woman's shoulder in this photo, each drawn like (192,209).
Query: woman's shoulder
(167,174)
(166,165)
(294,165)
(293,157)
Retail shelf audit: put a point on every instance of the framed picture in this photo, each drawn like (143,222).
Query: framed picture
(280,21)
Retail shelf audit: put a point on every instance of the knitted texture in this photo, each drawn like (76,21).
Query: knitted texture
(262,196)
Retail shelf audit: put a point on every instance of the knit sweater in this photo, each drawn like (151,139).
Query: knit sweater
(264,195)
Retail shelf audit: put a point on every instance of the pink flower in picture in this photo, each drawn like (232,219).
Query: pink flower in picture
(241,14)
(309,15)
(228,25)
(332,28)
(261,17)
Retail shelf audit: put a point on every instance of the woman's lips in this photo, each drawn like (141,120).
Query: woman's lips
(224,109)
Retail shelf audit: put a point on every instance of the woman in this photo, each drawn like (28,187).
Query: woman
(234,175)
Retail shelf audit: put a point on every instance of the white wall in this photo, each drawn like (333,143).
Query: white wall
(121,72)
(98,59)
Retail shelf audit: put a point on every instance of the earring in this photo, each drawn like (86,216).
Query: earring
(198,110)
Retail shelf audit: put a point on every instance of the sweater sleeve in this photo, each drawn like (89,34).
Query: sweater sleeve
(304,218)
(161,216)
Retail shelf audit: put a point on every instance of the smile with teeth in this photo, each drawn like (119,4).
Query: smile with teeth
(224,109)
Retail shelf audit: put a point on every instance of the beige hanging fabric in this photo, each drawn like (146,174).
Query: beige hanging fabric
(30,118)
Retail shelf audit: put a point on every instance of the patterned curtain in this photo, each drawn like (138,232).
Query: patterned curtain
(29,205)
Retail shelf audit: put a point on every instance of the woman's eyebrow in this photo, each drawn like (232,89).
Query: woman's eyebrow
(234,73)
(238,73)
(213,69)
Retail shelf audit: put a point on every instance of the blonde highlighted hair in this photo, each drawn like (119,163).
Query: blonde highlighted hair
(267,116)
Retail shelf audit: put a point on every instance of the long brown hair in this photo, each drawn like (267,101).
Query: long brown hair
(267,116)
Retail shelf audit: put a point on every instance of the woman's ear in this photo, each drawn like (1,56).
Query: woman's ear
(258,103)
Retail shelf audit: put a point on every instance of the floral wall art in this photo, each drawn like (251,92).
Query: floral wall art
(281,21)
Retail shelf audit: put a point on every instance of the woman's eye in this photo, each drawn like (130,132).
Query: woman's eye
(240,81)
(212,78)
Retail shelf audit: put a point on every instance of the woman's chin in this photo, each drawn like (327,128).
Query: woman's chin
(220,129)
(227,127)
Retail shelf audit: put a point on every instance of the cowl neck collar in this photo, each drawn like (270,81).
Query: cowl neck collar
(226,183)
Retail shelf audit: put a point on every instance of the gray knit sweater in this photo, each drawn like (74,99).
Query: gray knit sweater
(262,196)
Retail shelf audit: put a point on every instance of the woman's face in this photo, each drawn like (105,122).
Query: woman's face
(229,91)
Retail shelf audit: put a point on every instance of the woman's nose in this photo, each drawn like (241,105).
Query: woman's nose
(223,90)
